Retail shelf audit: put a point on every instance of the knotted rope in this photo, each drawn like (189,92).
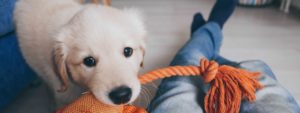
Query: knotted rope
(228,86)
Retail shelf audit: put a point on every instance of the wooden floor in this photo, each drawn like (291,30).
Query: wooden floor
(251,33)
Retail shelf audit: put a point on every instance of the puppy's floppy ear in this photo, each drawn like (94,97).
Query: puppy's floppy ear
(137,20)
(143,52)
(59,61)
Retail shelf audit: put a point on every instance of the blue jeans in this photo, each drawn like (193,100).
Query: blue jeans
(186,94)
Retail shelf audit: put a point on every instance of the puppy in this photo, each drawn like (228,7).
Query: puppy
(76,47)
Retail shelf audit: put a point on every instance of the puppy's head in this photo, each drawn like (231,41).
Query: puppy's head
(102,48)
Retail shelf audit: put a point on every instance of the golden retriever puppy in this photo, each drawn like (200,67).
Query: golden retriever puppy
(77,47)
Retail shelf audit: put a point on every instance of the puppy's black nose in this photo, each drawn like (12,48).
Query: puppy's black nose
(120,95)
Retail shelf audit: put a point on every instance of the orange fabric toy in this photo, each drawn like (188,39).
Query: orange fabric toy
(228,86)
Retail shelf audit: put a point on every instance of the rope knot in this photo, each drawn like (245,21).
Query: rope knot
(208,69)
(228,85)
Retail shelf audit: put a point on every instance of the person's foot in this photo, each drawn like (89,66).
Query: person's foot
(222,10)
(198,21)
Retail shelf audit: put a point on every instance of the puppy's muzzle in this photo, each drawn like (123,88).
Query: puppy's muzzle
(120,95)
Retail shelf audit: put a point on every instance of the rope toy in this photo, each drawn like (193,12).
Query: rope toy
(228,86)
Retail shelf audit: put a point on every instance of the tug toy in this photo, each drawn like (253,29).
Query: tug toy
(228,86)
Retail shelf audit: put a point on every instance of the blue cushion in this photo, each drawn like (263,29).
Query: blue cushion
(6,16)
(15,74)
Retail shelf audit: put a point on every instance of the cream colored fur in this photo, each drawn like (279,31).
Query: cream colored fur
(56,35)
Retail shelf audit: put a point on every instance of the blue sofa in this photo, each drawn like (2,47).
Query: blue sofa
(15,74)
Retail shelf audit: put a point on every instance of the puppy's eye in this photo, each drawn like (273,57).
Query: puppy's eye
(128,52)
(89,61)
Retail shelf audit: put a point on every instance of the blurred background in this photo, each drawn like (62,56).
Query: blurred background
(257,30)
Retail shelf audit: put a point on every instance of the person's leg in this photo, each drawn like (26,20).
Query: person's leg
(183,94)
(220,13)
(273,98)
(222,10)
(198,21)
(224,61)
(186,94)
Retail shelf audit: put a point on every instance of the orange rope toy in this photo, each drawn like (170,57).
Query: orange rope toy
(228,86)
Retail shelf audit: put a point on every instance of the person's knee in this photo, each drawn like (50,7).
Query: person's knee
(278,102)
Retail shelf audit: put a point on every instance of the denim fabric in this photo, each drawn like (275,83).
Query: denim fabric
(186,94)
(273,98)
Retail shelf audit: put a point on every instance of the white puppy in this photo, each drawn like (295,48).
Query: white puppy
(74,47)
